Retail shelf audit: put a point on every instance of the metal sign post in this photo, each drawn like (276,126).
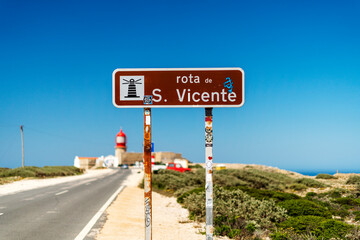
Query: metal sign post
(209,170)
(147,174)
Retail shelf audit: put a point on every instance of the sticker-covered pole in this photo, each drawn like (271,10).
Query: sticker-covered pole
(209,170)
(147,174)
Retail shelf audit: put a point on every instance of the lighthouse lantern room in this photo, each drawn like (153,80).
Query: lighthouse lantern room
(120,145)
(120,140)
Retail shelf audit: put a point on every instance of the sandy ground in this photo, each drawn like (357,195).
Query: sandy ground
(125,218)
(27,184)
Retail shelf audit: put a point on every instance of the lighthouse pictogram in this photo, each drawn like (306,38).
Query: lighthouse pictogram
(134,89)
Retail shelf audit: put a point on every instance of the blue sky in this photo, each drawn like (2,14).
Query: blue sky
(302,85)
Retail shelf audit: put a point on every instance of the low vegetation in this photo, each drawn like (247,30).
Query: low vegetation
(235,212)
(9,175)
(255,204)
(308,182)
(353,180)
(253,178)
(315,226)
(196,166)
(264,194)
(325,176)
(303,207)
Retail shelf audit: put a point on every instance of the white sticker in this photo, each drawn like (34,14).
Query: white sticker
(209,203)
(147,120)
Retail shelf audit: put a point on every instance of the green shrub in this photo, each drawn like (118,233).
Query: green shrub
(160,163)
(334,193)
(21,172)
(334,208)
(298,187)
(311,194)
(320,227)
(47,171)
(281,196)
(173,181)
(353,234)
(353,180)
(333,229)
(263,194)
(289,234)
(196,166)
(251,227)
(224,180)
(236,210)
(52,171)
(226,230)
(345,201)
(310,183)
(255,178)
(3,169)
(302,224)
(280,235)
(356,215)
(341,212)
(325,176)
(348,202)
(300,207)
(177,182)
(181,198)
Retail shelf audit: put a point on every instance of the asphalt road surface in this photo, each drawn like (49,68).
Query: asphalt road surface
(56,212)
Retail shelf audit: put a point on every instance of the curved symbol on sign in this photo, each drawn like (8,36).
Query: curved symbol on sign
(228,84)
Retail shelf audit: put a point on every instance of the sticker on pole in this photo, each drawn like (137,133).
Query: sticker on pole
(178,87)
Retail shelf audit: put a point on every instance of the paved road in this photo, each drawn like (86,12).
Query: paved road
(56,212)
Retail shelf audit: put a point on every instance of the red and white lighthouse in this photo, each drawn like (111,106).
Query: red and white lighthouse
(120,145)
(120,140)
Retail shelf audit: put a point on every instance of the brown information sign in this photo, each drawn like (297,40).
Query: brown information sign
(178,87)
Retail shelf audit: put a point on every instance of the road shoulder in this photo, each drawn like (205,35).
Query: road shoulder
(125,216)
(28,184)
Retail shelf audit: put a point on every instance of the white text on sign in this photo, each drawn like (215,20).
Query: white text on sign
(186,95)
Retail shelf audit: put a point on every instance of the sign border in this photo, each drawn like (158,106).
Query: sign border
(177,69)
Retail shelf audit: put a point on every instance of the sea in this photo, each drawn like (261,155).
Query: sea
(316,172)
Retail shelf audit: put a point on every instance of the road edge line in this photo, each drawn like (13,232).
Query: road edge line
(95,218)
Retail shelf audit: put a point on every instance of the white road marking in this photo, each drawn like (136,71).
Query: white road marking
(91,223)
(2,207)
(62,192)
(79,183)
(51,212)
(1,213)
(28,199)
